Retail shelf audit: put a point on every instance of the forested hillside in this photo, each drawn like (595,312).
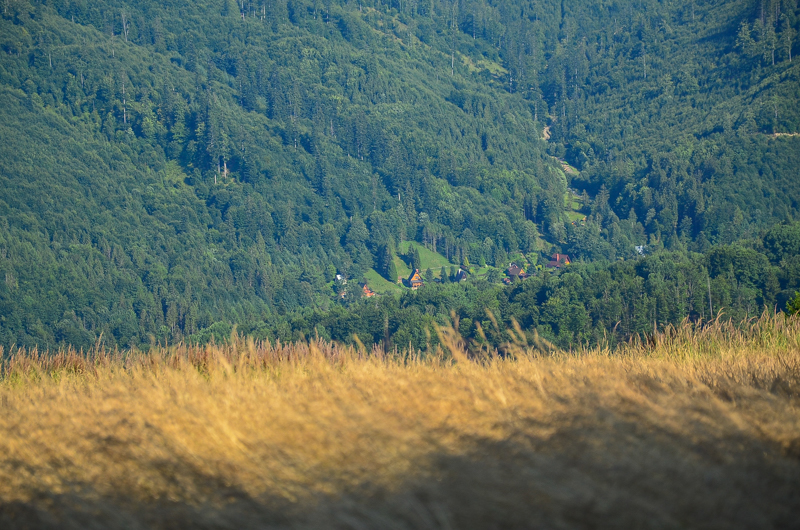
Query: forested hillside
(168,169)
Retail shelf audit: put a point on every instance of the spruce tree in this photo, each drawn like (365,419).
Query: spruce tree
(385,259)
(416,260)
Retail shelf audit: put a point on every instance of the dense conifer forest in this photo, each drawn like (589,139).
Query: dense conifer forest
(171,171)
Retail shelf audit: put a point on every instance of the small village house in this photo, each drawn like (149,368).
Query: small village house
(558,261)
(514,271)
(415,280)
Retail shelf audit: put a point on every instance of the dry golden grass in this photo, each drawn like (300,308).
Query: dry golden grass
(696,428)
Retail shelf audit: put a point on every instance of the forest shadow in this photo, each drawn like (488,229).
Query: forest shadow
(603,471)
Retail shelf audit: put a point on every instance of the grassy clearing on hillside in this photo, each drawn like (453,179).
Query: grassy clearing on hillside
(483,64)
(694,428)
(379,284)
(481,271)
(428,258)
(575,216)
(402,269)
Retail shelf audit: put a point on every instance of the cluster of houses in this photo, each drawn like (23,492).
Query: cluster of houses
(365,290)
(516,272)
(415,280)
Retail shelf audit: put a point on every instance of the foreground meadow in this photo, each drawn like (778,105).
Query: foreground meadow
(696,428)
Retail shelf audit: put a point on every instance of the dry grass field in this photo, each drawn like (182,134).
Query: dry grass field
(695,428)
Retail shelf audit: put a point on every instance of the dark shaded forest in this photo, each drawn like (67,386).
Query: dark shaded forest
(170,170)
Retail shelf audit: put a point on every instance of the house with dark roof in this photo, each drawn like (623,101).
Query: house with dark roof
(558,261)
(516,272)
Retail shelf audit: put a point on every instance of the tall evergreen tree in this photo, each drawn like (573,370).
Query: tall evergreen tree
(416,260)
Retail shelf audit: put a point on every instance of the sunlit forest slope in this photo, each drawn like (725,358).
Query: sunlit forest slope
(170,169)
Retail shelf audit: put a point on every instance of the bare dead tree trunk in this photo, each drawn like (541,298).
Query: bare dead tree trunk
(453,48)
(124,106)
(644,61)
(125,26)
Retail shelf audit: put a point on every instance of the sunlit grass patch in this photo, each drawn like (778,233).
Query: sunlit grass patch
(694,426)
